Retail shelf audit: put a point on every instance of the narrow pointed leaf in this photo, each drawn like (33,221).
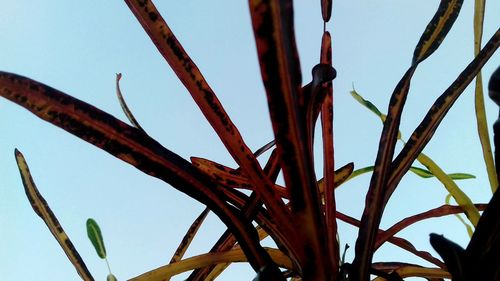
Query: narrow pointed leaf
(434,169)
(433,213)
(124,106)
(186,241)
(452,254)
(95,236)
(437,29)
(43,210)
(484,246)
(190,75)
(469,229)
(482,124)
(326,9)
(435,115)
(273,28)
(265,148)
(132,146)
(235,255)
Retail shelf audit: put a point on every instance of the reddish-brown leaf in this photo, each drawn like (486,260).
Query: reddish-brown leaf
(132,146)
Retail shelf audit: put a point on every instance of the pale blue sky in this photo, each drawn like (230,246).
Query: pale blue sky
(78,46)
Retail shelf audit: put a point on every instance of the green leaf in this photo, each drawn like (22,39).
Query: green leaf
(95,236)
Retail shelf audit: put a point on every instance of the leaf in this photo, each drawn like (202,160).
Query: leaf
(469,229)
(272,23)
(460,197)
(124,106)
(328,155)
(43,210)
(326,9)
(484,246)
(95,236)
(265,148)
(452,254)
(186,241)
(434,169)
(435,115)
(437,29)
(411,270)
(433,213)
(235,255)
(130,145)
(400,242)
(482,124)
(229,177)
(427,174)
(189,74)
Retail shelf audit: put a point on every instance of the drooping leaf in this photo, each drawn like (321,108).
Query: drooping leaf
(452,254)
(326,9)
(43,210)
(437,29)
(130,145)
(124,105)
(95,236)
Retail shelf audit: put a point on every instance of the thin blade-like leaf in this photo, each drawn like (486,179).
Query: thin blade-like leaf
(400,242)
(95,236)
(434,169)
(43,210)
(433,213)
(124,105)
(437,29)
(484,246)
(132,146)
(186,240)
(328,153)
(190,75)
(469,229)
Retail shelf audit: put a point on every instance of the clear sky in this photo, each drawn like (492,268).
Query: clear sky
(78,46)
